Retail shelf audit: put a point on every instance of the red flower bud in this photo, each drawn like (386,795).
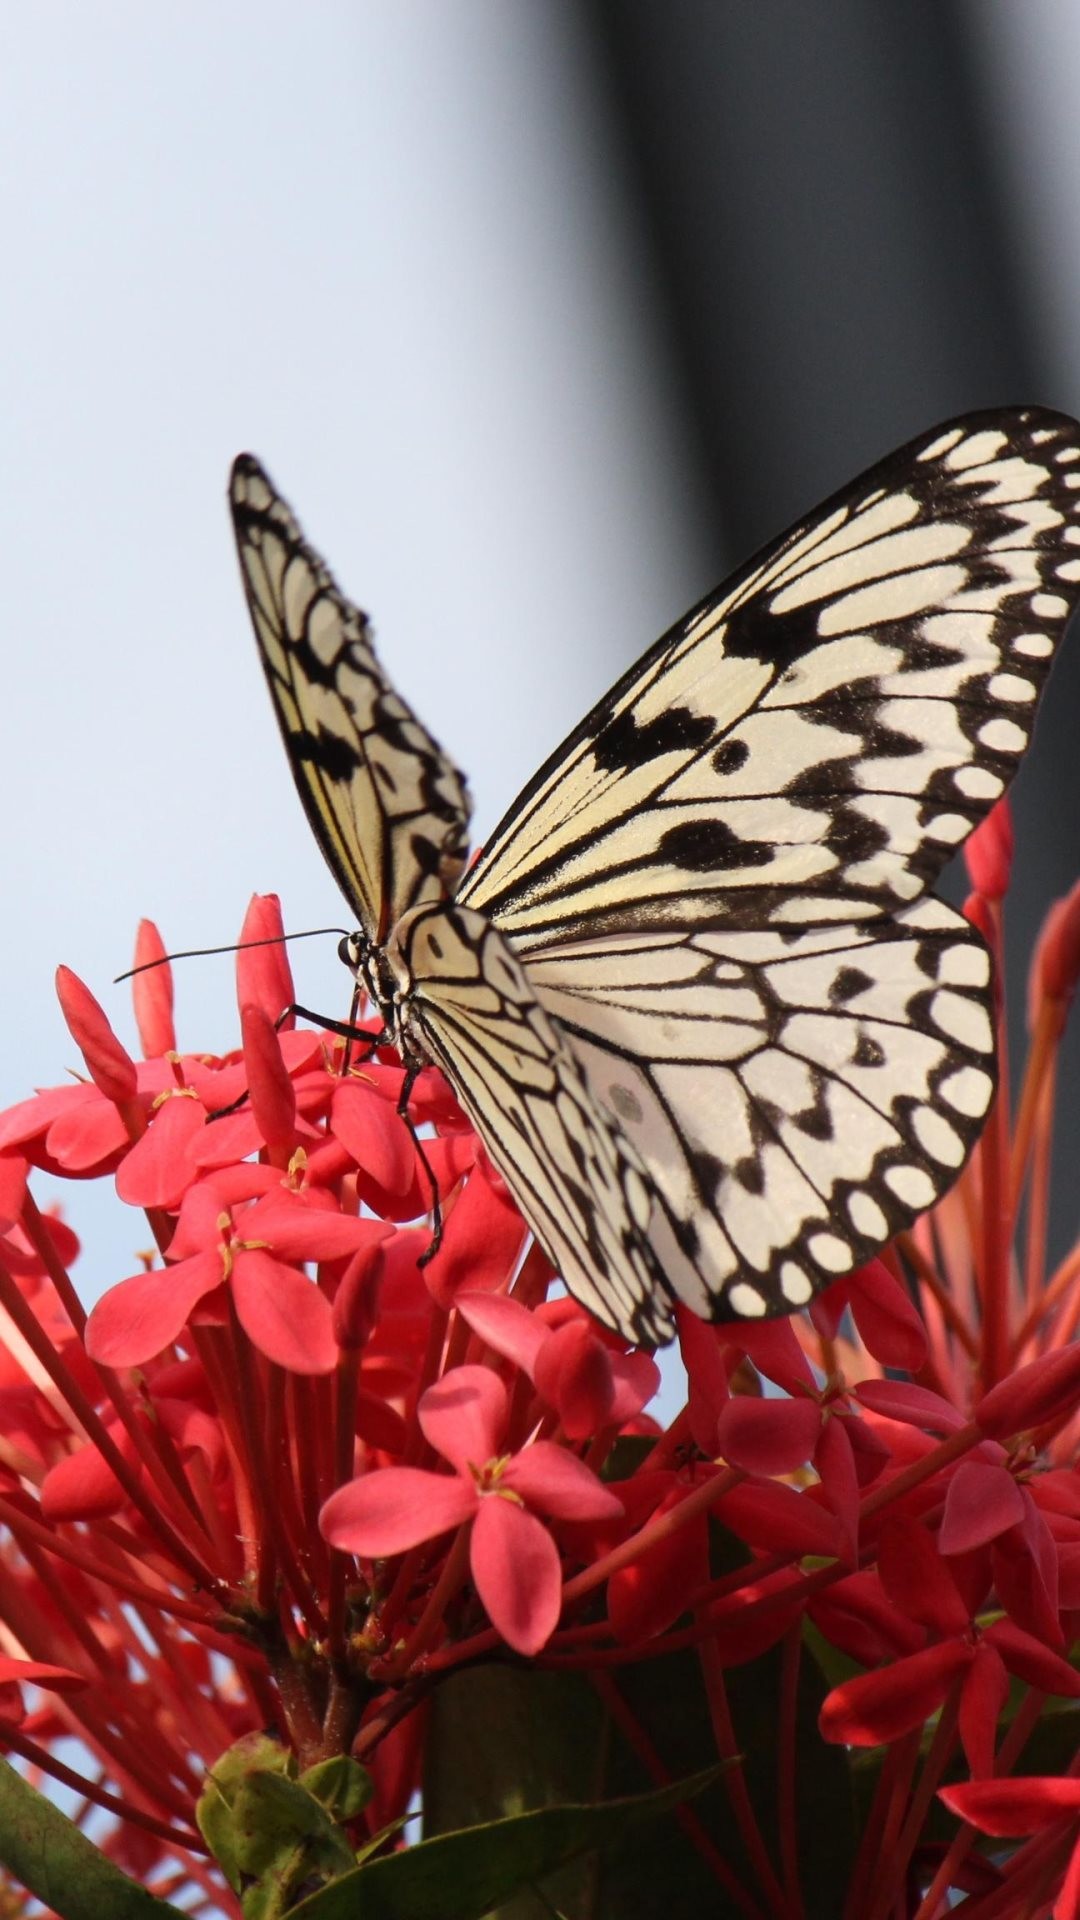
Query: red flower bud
(356,1303)
(263,976)
(977,910)
(152,993)
(109,1064)
(1056,966)
(273,1101)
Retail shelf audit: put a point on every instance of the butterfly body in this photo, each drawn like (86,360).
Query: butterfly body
(696,994)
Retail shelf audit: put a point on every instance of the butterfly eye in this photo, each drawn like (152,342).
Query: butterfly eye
(349,952)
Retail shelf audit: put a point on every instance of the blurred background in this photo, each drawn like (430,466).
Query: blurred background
(544,313)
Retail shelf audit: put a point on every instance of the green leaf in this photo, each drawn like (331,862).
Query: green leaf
(215,1811)
(45,1851)
(461,1876)
(340,1785)
(502,1739)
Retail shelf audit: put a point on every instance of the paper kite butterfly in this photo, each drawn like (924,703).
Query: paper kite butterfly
(697,995)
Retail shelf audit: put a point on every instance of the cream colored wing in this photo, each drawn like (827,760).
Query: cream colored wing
(816,739)
(579,1183)
(796,1098)
(389,808)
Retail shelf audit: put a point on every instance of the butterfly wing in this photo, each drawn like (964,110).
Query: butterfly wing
(718,885)
(796,1097)
(388,807)
(578,1181)
(813,742)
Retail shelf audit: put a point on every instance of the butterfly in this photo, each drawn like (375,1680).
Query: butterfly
(696,995)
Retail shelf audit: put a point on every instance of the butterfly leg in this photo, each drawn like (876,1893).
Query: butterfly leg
(436,1205)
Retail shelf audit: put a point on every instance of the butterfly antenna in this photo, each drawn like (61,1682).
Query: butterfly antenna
(238,946)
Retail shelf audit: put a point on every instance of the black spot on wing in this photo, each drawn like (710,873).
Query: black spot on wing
(868,1052)
(749,1174)
(332,755)
(855,836)
(626,744)
(848,982)
(731,757)
(703,846)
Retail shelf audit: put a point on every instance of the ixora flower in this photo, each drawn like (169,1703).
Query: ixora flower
(303,1514)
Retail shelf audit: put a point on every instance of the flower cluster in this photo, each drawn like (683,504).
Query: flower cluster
(296,1471)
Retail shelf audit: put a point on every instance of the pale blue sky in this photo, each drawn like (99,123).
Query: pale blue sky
(376,244)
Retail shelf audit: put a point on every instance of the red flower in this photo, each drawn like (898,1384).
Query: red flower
(514,1560)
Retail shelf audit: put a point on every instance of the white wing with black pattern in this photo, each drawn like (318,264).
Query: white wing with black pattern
(695,994)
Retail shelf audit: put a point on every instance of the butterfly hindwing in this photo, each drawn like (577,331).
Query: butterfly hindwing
(796,1097)
(388,807)
(578,1180)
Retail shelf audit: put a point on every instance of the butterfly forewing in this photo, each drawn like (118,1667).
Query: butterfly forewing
(815,740)
(695,995)
(388,807)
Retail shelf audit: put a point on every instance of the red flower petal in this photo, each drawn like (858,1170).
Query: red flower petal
(38,1673)
(139,1317)
(505,1325)
(775,1519)
(645,1597)
(773,1347)
(891,1329)
(574,1374)
(31,1119)
(463,1416)
(1026,1573)
(835,1462)
(298,1228)
(874,1708)
(1046,1389)
(88,1136)
(356,1302)
(913,1406)
(376,1137)
(82,1486)
(13,1169)
(159,1169)
(1030,1661)
(1008,1807)
(481,1243)
(768,1436)
(982,1697)
(981,1502)
(516,1570)
(916,1578)
(395,1508)
(283,1314)
(857,1617)
(557,1482)
(705,1356)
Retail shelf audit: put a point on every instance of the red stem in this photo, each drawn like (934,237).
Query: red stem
(41,1757)
(786,1755)
(639,1742)
(735,1778)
